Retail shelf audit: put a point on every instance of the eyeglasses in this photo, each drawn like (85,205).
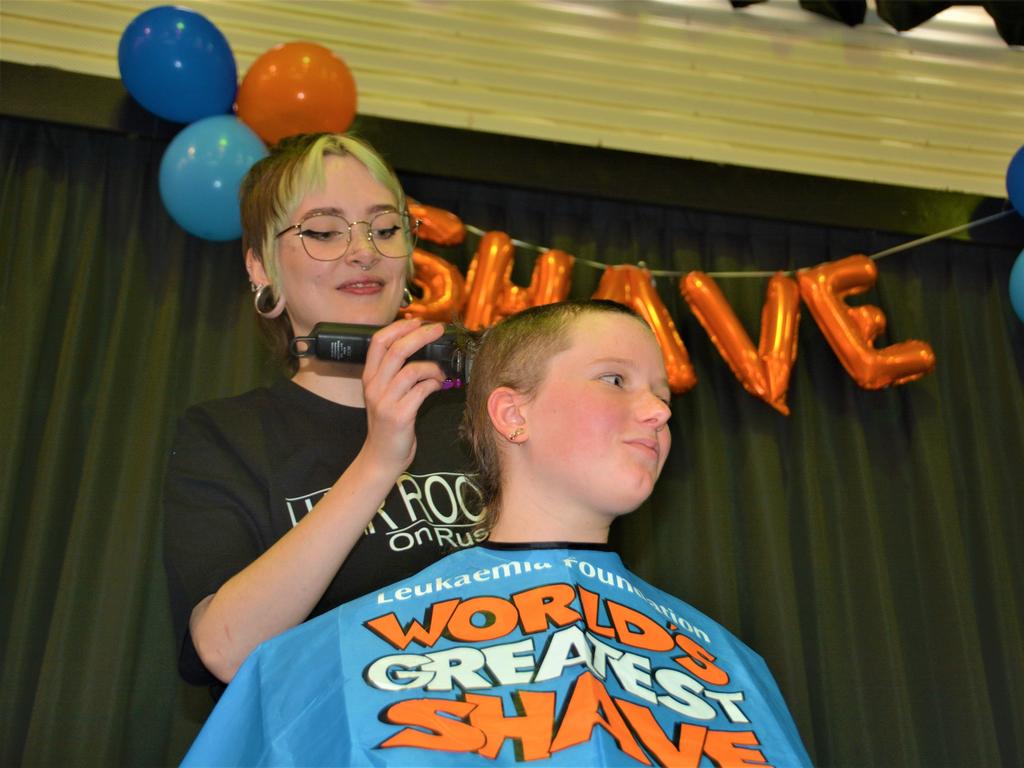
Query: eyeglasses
(327,236)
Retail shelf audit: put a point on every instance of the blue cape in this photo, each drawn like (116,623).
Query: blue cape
(495,656)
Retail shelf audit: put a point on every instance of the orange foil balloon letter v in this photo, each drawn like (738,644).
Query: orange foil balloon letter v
(763,372)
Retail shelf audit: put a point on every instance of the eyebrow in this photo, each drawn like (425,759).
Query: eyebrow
(331,211)
(620,360)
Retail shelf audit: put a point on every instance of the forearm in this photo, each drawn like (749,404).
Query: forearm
(280,588)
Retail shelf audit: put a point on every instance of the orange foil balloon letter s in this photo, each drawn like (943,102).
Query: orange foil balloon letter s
(442,286)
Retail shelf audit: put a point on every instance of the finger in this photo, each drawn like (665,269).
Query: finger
(397,400)
(385,337)
(385,392)
(397,353)
(397,417)
(411,401)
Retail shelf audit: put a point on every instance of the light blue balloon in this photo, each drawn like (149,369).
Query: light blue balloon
(201,172)
(1017,286)
(177,64)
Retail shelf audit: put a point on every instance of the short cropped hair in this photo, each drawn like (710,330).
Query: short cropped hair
(515,353)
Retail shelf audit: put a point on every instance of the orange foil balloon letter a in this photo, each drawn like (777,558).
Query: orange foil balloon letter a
(632,286)
(763,372)
(851,331)
(492,295)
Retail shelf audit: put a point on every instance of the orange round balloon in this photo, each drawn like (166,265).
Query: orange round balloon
(296,88)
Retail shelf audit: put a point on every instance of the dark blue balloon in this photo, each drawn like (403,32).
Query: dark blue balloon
(1017,286)
(201,172)
(177,64)
(1015,181)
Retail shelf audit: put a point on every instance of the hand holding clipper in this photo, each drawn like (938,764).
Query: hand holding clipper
(349,342)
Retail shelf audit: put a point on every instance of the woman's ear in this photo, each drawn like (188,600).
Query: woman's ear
(503,407)
(257,274)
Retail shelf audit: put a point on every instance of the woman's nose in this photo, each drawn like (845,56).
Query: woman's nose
(361,250)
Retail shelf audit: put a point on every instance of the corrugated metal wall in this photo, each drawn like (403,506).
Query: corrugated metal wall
(770,86)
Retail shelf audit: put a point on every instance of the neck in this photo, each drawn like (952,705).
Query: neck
(534,506)
(338,382)
(522,521)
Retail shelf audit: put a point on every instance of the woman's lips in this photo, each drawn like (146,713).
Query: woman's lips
(362,287)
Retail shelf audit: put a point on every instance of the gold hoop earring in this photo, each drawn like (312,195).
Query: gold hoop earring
(514,435)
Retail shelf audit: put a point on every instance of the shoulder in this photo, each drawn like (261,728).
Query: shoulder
(698,626)
(226,426)
(234,407)
(242,413)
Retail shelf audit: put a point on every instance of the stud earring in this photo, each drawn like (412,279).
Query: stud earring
(514,435)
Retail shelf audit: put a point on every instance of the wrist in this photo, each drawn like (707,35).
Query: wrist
(375,471)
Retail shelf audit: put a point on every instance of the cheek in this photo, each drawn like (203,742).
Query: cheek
(400,269)
(592,422)
(291,265)
(562,428)
(665,445)
(306,271)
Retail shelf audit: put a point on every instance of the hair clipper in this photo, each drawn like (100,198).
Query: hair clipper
(349,343)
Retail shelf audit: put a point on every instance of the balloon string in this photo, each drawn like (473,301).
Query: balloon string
(939,235)
(764,273)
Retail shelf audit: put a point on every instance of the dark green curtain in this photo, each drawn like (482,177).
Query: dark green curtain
(867,546)
(113,319)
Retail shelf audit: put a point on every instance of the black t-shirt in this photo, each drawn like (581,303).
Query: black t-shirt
(244,470)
